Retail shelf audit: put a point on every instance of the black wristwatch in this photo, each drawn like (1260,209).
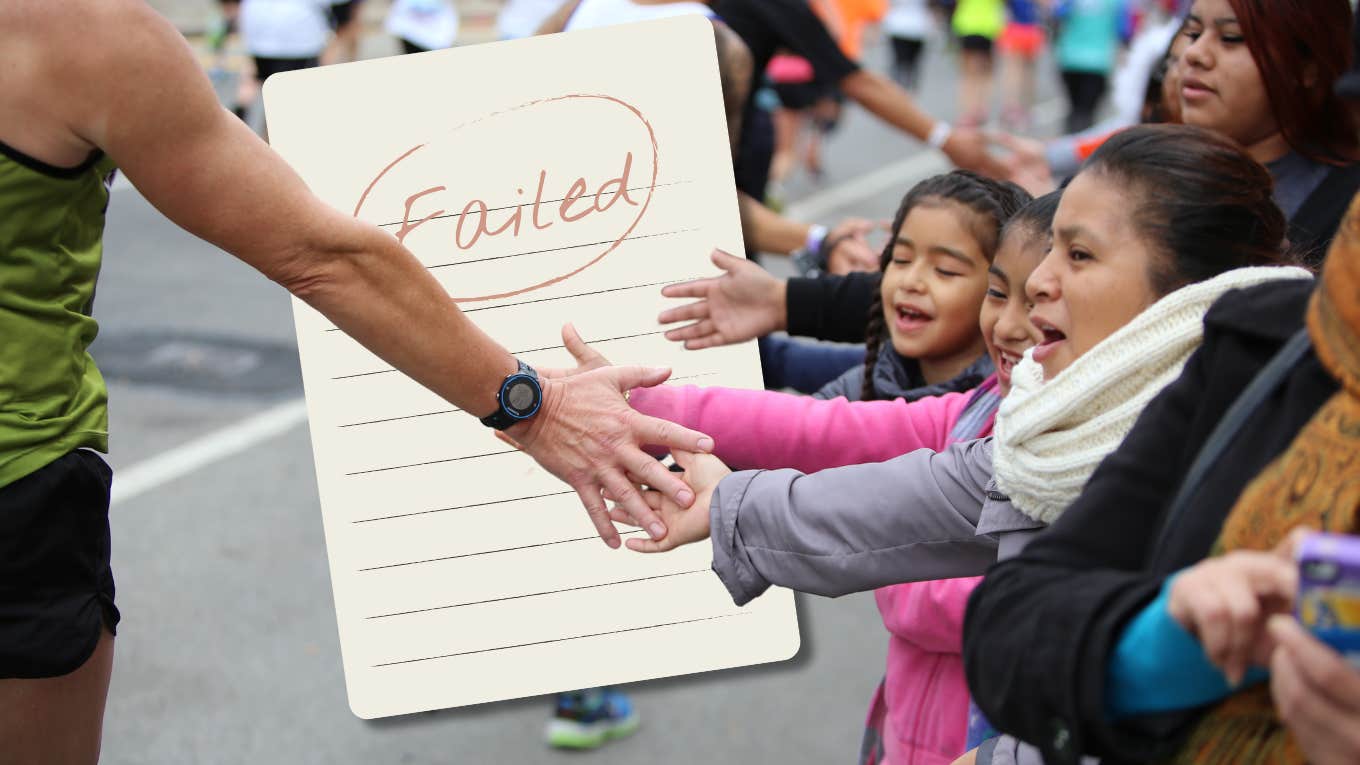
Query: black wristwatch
(518,399)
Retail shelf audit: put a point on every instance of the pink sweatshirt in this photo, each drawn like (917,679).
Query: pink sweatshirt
(921,709)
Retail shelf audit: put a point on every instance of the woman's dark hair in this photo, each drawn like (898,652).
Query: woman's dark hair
(1202,201)
(1301,48)
(992,202)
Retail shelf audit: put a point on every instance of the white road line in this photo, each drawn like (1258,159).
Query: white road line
(911,169)
(157,471)
(165,467)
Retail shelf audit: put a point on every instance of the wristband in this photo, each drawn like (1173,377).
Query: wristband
(939,134)
(816,233)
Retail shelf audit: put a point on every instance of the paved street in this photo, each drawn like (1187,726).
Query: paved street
(228,650)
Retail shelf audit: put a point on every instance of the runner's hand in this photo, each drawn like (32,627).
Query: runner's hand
(586,434)
(587,358)
(967,148)
(744,303)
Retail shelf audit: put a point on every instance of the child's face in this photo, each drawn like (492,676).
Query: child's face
(932,290)
(1005,312)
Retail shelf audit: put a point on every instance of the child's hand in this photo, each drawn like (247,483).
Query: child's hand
(1226,601)
(683,526)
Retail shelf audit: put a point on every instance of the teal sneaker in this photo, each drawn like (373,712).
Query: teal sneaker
(590,718)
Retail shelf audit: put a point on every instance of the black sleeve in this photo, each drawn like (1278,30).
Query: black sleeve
(806,35)
(1040,628)
(831,307)
(1314,225)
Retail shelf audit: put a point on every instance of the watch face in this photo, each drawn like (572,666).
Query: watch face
(521,396)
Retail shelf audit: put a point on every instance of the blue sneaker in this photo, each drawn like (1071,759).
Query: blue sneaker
(587,719)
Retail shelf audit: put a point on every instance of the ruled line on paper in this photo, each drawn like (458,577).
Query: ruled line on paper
(464,507)
(596,342)
(578,294)
(403,417)
(561,640)
(560,249)
(491,552)
(526,350)
(433,462)
(581,294)
(456,409)
(541,201)
(538,594)
(690,377)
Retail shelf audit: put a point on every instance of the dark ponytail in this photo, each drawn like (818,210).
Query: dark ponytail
(1203,202)
(994,202)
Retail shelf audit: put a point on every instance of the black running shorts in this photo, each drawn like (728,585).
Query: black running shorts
(56,587)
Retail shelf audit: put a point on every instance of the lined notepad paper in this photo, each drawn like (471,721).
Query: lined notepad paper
(561,178)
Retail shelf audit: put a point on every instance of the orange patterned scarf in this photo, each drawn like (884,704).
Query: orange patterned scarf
(1315,482)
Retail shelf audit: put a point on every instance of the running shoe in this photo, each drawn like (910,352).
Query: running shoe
(588,719)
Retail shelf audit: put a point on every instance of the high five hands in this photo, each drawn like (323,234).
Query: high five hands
(702,472)
(591,418)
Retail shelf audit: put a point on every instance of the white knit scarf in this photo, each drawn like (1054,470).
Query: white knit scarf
(1048,445)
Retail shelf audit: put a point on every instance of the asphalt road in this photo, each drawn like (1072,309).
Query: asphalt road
(228,650)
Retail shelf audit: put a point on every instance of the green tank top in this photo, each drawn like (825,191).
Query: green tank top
(52,397)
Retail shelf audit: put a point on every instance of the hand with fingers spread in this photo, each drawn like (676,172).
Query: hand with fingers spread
(586,434)
(587,358)
(744,303)
(685,525)
(1316,693)
(1225,603)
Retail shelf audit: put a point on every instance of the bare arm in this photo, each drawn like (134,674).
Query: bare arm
(890,103)
(208,173)
(734,70)
(767,230)
(557,22)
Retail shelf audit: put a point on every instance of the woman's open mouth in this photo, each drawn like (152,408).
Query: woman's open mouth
(1053,338)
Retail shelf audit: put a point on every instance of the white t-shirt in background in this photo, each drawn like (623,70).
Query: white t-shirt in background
(431,24)
(521,18)
(285,28)
(909,19)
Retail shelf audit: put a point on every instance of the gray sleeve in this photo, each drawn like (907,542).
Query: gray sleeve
(1011,528)
(853,528)
(850,384)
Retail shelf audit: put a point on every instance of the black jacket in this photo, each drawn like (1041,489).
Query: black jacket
(1040,629)
(831,307)
(1315,222)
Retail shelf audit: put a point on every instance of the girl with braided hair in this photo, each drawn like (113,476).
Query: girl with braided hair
(934,267)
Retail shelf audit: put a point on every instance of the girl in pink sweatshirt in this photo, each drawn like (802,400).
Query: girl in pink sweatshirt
(920,712)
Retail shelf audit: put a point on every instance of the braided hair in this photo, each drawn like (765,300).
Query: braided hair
(993,201)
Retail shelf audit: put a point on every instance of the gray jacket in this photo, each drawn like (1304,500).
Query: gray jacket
(898,377)
(924,515)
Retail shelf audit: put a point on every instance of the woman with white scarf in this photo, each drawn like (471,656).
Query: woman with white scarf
(1161,222)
